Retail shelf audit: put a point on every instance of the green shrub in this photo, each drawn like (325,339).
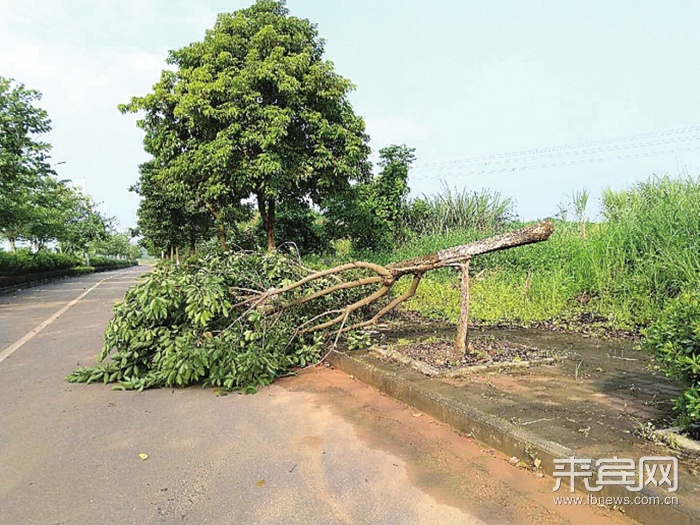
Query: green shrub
(82,270)
(674,338)
(23,261)
(110,262)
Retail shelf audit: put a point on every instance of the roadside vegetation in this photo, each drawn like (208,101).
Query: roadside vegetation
(47,223)
(618,272)
(255,146)
(674,338)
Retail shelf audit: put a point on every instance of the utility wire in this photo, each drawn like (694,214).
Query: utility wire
(462,173)
(587,152)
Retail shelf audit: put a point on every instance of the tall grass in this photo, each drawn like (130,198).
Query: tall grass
(449,210)
(623,269)
(655,232)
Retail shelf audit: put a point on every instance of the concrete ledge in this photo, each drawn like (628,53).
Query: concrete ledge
(432,371)
(434,399)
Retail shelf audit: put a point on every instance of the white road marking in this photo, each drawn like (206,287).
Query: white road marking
(21,342)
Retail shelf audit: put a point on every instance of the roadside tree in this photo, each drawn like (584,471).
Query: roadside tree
(255,112)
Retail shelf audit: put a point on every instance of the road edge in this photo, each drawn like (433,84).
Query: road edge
(499,434)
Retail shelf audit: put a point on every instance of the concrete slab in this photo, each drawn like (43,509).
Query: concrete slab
(591,404)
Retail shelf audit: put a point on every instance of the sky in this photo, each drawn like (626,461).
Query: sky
(454,79)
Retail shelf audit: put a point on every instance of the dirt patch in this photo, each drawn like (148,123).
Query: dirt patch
(485,350)
(587,324)
(428,345)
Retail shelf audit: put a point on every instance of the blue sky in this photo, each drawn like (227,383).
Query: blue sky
(453,79)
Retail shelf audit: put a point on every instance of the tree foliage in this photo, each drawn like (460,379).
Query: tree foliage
(24,160)
(369,213)
(22,156)
(35,206)
(168,215)
(187,323)
(254,111)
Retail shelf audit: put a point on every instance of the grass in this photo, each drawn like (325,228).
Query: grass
(452,210)
(621,270)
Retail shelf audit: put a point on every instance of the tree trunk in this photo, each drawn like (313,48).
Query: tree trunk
(222,236)
(462,340)
(193,241)
(13,245)
(266,208)
(219,220)
(271,244)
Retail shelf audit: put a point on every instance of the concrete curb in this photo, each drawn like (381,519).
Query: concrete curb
(501,435)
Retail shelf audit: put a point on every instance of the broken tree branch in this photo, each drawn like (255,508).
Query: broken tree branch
(386,277)
(528,235)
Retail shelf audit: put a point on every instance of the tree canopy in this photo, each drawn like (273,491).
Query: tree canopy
(36,206)
(369,213)
(254,111)
(24,160)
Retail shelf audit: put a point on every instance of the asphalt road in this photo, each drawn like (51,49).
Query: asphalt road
(317,448)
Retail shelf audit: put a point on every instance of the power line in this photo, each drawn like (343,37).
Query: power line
(585,152)
(569,153)
(460,173)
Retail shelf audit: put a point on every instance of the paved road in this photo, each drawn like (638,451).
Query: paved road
(317,448)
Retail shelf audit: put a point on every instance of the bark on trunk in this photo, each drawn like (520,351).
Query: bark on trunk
(13,246)
(193,244)
(271,244)
(266,208)
(219,221)
(222,236)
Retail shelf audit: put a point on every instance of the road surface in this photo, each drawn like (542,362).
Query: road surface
(316,448)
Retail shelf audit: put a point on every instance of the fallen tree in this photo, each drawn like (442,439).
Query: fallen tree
(386,277)
(239,320)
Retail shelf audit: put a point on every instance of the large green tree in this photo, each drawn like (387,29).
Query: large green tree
(82,223)
(255,111)
(24,160)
